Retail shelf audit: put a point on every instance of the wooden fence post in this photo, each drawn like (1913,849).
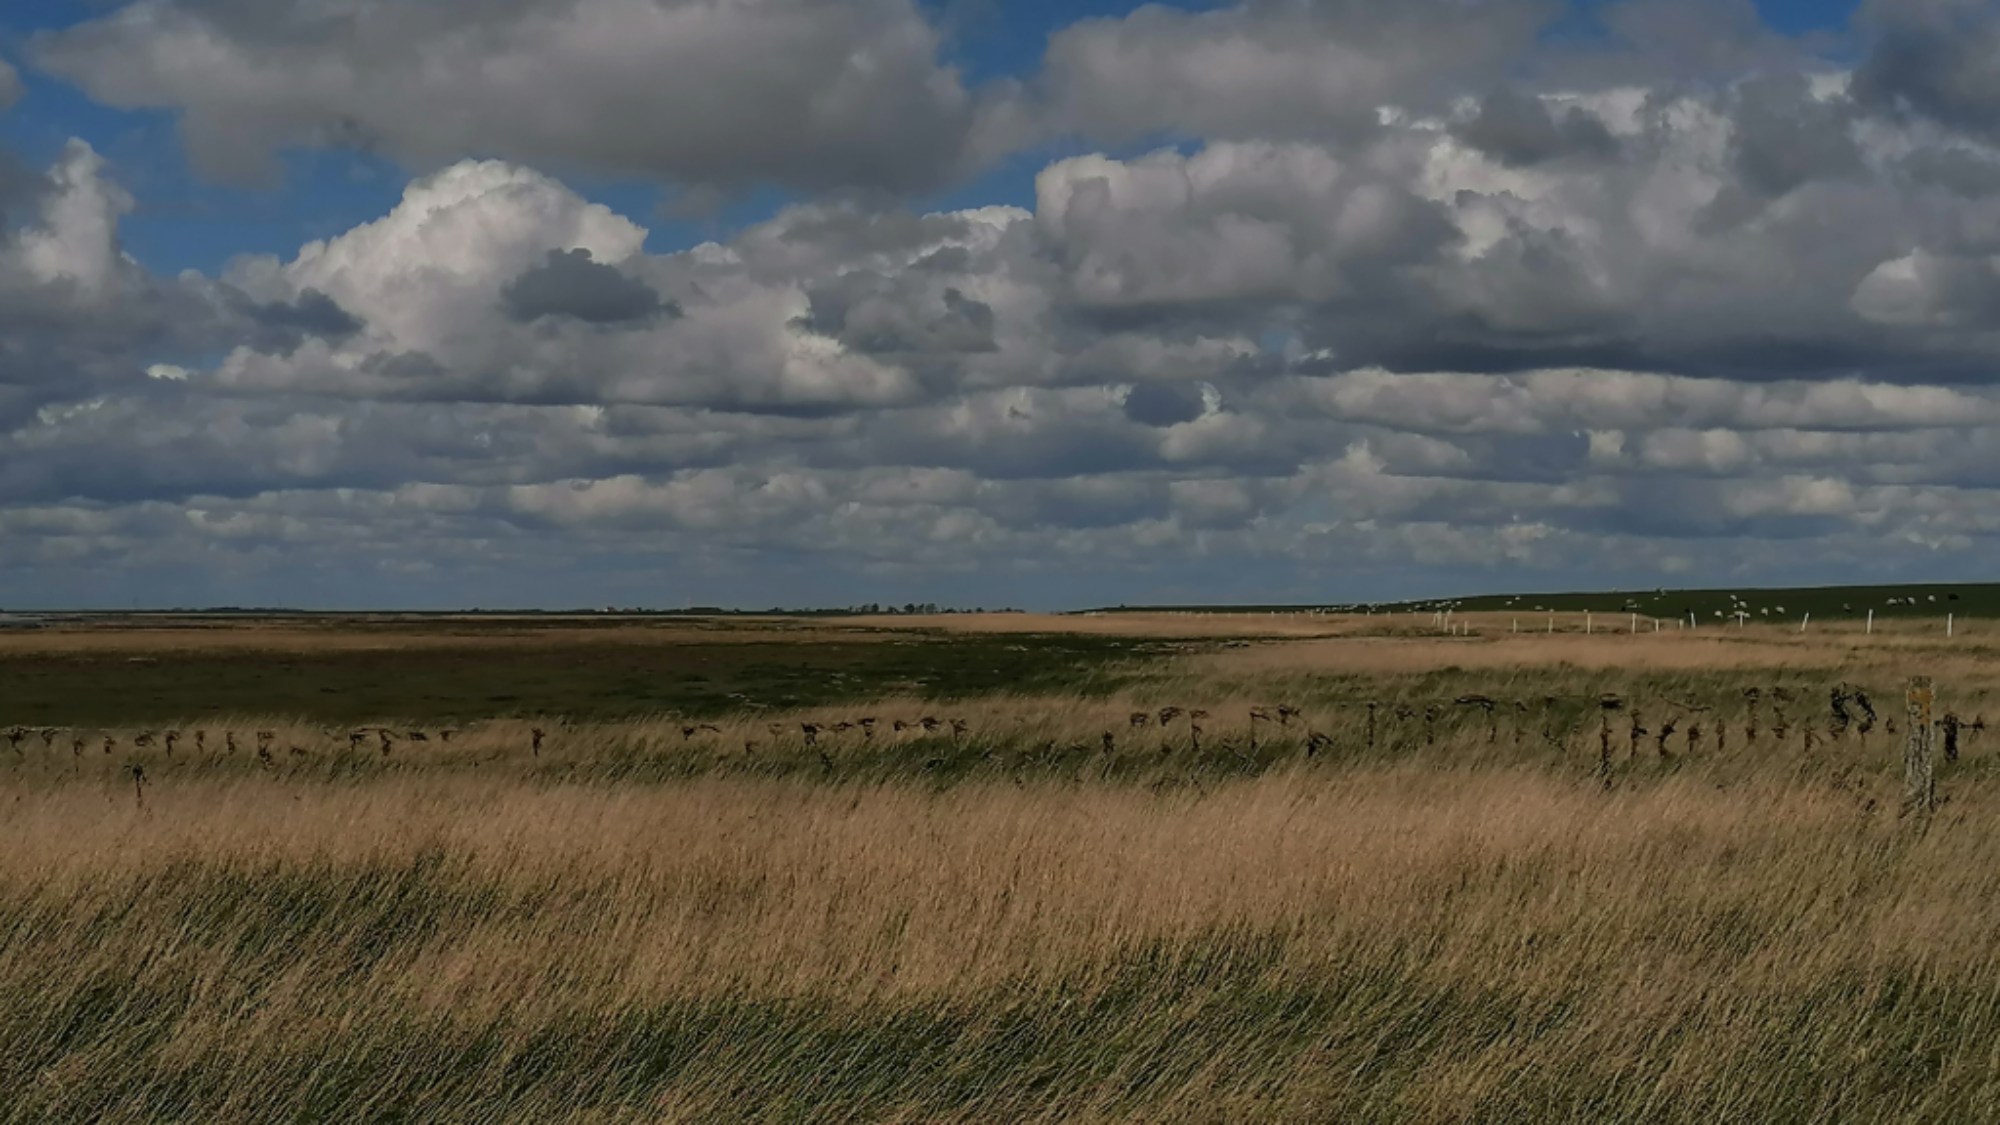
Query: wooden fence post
(1919,776)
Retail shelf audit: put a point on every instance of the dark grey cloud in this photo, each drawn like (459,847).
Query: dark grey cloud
(1520,130)
(1273,68)
(281,326)
(1785,137)
(1680,508)
(1666,44)
(893,316)
(1083,504)
(1552,458)
(21,190)
(570,284)
(1961,171)
(10,86)
(1163,404)
(415,368)
(805,93)
(1938,59)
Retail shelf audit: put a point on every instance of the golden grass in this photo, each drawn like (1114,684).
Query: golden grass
(1665,930)
(1221,625)
(789,889)
(650,921)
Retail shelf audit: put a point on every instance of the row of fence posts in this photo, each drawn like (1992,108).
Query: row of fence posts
(1919,742)
(1443,621)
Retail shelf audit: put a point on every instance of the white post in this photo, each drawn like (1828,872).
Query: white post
(1871,623)
(1635,624)
(1517,624)
(1586,623)
(1805,621)
(1691,622)
(1947,624)
(1552,624)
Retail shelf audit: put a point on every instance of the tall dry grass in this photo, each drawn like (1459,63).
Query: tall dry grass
(1380,943)
(1458,919)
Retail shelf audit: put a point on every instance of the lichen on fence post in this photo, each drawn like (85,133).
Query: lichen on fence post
(1919,774)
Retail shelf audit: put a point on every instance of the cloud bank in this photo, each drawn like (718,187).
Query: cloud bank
(1348,301)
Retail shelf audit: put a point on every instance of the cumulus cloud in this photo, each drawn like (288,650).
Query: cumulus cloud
(1232,223)
(10,86)
(1270,69)
(493,283)
(77,316)
(1410,294)
(75,245)
(812,94)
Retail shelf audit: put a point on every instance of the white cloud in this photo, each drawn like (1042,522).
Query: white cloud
(1364,317)
(76,241)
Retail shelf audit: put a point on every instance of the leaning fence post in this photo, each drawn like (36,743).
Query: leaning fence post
(1919,777)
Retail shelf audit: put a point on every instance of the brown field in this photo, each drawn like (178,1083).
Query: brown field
(1390,902)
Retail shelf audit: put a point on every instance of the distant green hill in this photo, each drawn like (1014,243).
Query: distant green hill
(1828,603)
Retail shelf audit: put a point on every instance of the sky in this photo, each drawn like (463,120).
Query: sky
(553,303)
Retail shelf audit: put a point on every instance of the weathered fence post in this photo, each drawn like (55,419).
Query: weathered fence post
(1605,705)
(1919,776)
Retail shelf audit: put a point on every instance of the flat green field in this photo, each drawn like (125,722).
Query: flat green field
(334,671)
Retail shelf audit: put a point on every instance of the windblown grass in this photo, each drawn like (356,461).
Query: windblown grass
(1457,914)
(1369,944)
